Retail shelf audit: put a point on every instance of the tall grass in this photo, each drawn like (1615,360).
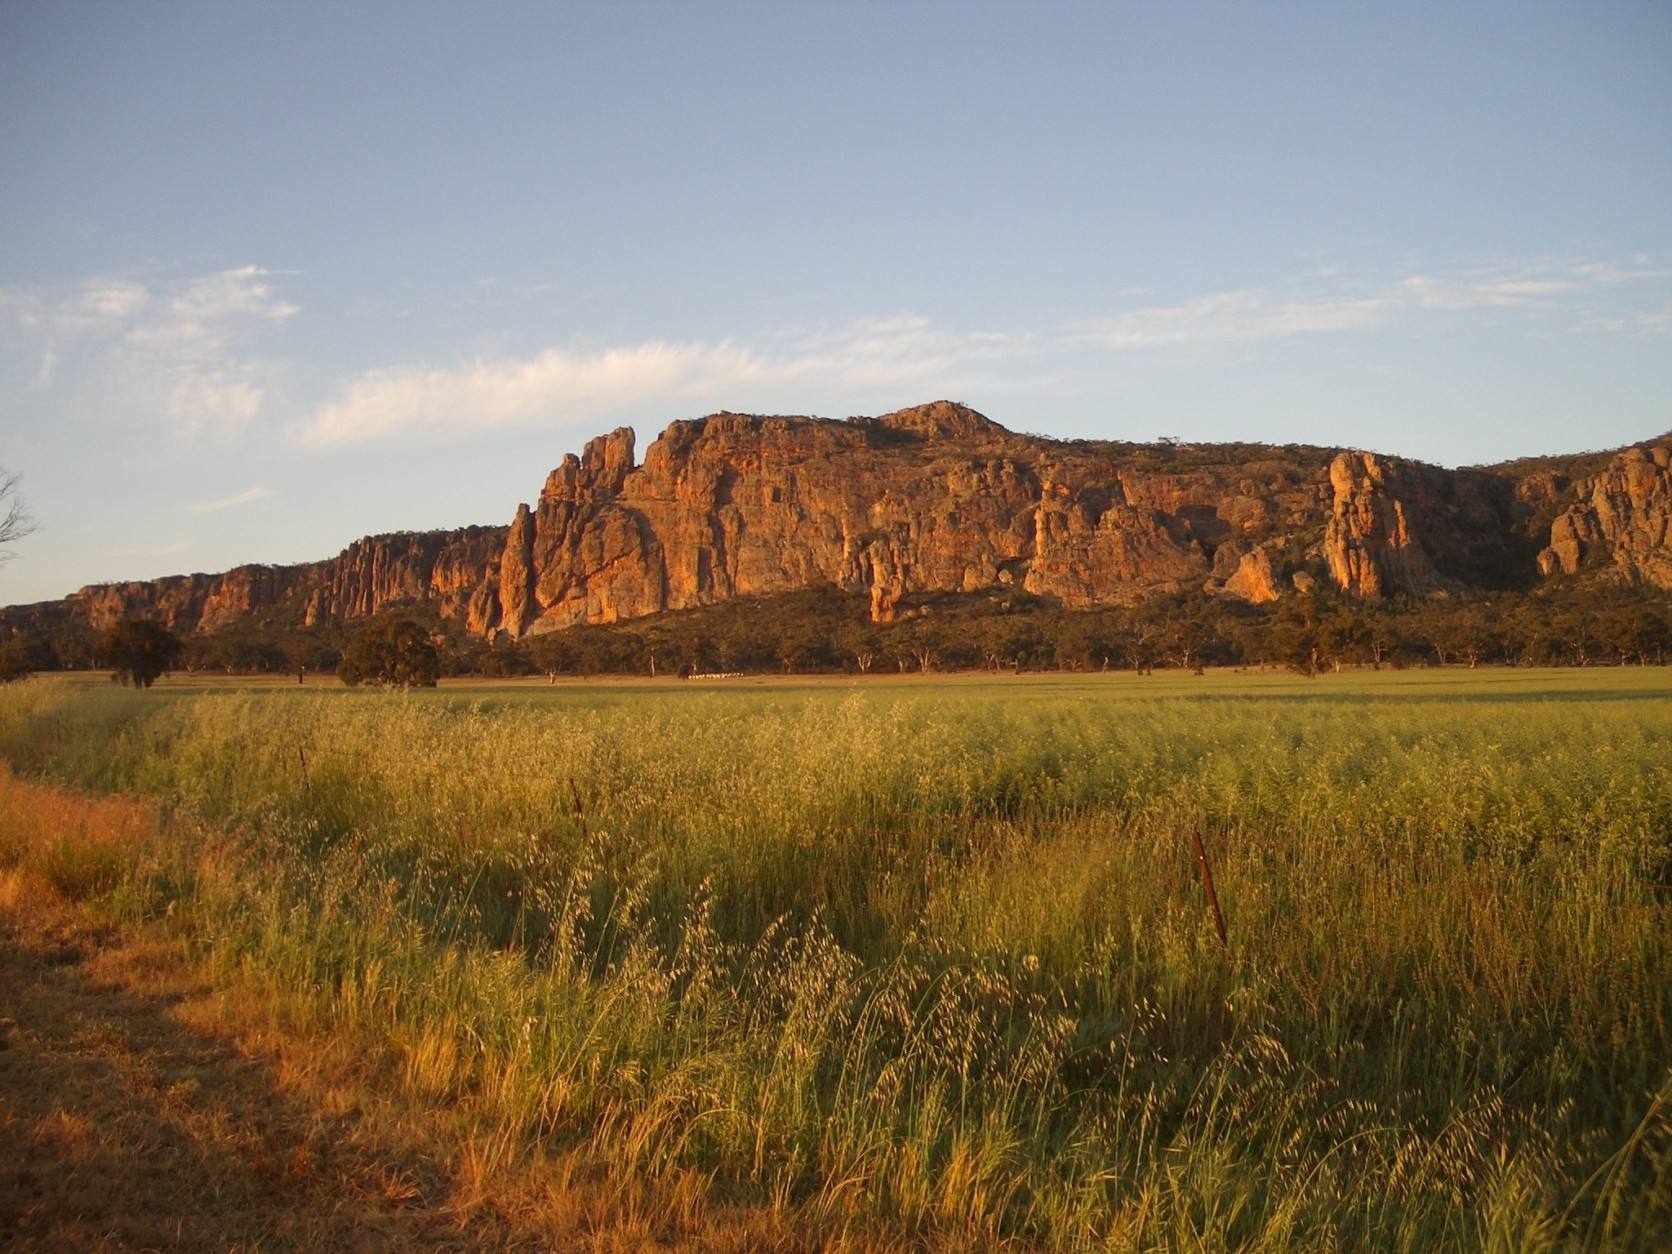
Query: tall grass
(932,963)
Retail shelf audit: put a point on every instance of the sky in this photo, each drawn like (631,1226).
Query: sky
(273,277)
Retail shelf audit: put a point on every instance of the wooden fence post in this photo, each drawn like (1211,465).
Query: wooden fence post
(1207,884)
(580,810)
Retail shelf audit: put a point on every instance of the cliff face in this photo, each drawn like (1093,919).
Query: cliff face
(445,568)
(1399,527)
(938,498)
(1621,522)
(935,498)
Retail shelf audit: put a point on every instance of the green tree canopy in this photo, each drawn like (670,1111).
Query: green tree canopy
(391,650)
(139,650)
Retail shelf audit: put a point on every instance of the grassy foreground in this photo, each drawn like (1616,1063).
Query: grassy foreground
(929,961)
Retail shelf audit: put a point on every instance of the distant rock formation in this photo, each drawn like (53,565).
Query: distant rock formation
(442,568)
(1622,521)
(1253,578)
(939,498)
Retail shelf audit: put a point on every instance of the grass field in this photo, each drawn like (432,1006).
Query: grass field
(927,959)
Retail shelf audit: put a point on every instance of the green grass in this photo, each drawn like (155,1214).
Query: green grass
(927,958)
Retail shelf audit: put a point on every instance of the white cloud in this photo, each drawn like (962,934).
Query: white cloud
(565,386)
(53,322)
(196,342)
(1253,314)
(153,550)
(901,348)
(193,353)
(1434,293)
(247,497)
(1612,272)
(179,348)
(112,300)
(1519,285)
(904,353)
(555,384)
(1230,316)
(210,392)
(1640,323)
(209,311)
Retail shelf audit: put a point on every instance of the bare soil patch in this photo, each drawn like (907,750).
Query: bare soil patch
(132,1119)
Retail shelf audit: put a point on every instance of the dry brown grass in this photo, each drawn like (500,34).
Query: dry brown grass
(145,1104)
(75,844)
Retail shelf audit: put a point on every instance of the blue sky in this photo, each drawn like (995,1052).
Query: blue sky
(276,276)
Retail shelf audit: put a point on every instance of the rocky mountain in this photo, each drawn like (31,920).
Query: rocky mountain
(440,568)
(938,498)
(1621,520)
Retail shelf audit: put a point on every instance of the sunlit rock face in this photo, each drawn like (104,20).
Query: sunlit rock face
(446,569)
(1370,541)
(930,499)
(938,498)
(1621,522)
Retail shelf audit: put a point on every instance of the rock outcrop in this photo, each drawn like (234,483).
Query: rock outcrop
(446,569)
(938,498)
(1404,528)
(930,499)
(1622,521)
(1254,578)
(1369,541)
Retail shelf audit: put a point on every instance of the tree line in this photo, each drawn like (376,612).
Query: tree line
(824,630)
(1307,633)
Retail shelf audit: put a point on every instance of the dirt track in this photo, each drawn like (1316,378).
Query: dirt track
(127,1120)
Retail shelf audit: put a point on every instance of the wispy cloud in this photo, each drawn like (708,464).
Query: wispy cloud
(153,550)
(182,347)
(94,304)
(1230,316)
(908,352)
(1639,323)
(562,386)
(1260,314)
(247,497)
(57,318)
(196,352)
(1496,293)
(555,384)
(209,310)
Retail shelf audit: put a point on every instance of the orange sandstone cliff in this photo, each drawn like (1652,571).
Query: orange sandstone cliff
(1621,521)
(938,498)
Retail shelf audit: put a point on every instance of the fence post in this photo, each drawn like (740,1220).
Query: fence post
(580,810)
(1207,884)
